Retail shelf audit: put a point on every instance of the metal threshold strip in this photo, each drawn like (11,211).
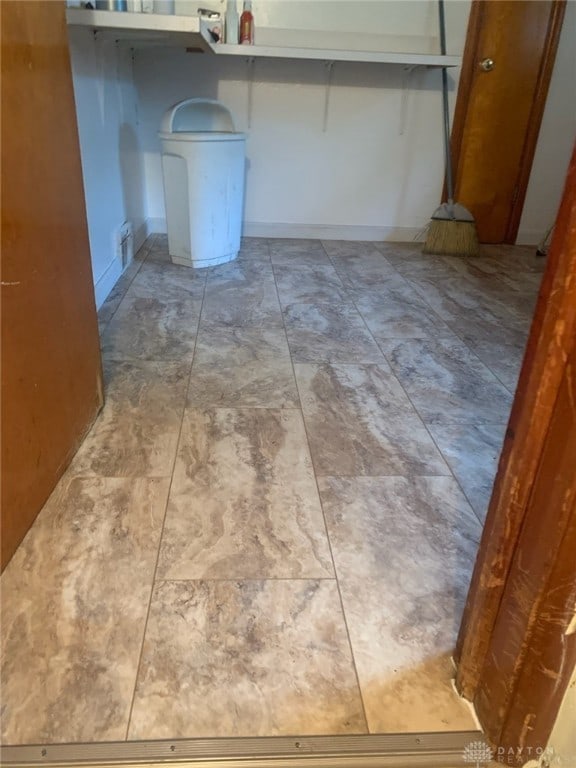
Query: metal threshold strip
(435,750)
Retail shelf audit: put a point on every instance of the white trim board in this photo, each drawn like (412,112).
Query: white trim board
(155,226)
(107,281)
(317,231)
(530,237)
(113,272)
(333,232)
(140,235)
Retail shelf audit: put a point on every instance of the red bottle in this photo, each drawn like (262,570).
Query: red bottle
(247,24)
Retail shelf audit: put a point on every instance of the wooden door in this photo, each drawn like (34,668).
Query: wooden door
(517,644)
(499,109)
(51,371)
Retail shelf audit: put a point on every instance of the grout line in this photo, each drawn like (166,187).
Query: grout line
(423,298)
(153,583)
(243,579)
(336,476)
(457,334)
(452,472)
(417,413)
(464,425)
(441,453)
(353,659)
(107,323)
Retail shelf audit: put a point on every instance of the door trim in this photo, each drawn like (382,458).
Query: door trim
(536,115)
(469,65)
(407,750)
(523,586)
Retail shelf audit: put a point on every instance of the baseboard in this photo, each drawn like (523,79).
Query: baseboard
(530,237)
(316,231)
(140,235)
(332,231)
(156,226)
(107,281)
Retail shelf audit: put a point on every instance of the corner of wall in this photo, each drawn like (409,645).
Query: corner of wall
(107,119)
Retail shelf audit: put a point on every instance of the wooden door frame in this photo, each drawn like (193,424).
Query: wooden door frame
(517,644)
(469,66)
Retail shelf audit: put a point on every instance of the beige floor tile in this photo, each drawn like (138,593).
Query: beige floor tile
(329,332)
(136,433)
(109,307)
(251,303)
(74,603)
(152,328)
(237,367)
(504,360)
(472,452)
(309,285)
(244,502)
(447,382)
(393,310)
(361,265)
(254,249)
(404,549)
(249,658)
(291,251)
(486,303)
(169,282)
(360,422)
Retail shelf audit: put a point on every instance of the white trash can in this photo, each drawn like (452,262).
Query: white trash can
(203,163)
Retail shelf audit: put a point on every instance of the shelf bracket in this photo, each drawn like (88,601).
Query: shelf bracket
(250,84)
(406,83)
(329,66)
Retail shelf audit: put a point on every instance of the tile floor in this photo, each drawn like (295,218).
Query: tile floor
(271,526)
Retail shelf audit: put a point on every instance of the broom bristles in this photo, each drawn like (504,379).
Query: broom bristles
(451,238)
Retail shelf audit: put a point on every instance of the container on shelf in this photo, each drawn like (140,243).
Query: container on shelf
(232,23)
(247,24)
(111,5)
(164,6)
(211,24)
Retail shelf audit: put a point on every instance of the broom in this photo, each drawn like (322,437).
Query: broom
(452,231)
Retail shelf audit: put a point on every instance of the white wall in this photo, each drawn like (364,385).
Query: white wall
(562,742)
(375,173)
(111,158)
(556,139)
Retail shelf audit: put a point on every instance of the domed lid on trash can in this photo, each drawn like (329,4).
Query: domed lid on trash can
(198,120)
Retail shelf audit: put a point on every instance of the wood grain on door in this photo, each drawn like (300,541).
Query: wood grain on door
(51,368)
(510,51)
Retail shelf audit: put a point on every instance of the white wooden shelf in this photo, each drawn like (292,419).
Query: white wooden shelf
(335,54)
(144,28)
(150,28)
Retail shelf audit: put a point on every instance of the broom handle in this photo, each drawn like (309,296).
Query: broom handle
(447,154)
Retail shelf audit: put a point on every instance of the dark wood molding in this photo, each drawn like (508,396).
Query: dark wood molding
(532,652)
(544,77)
(512,654)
